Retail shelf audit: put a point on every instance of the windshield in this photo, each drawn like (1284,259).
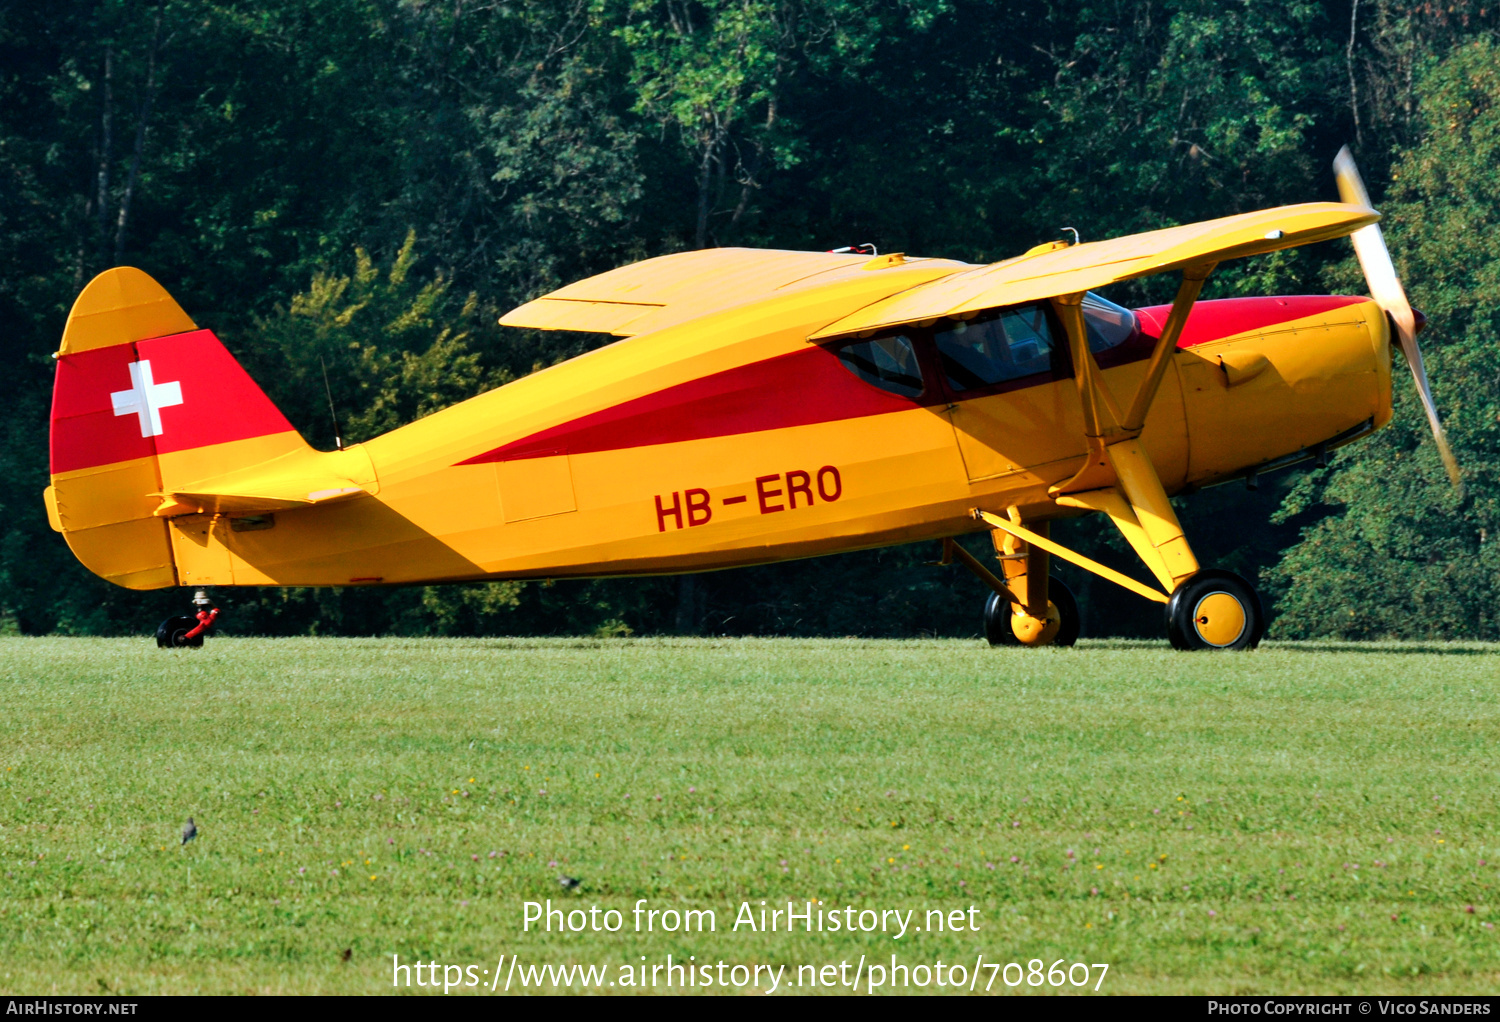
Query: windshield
(1109,325)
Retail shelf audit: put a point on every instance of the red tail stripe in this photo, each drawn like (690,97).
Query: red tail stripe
(220,402)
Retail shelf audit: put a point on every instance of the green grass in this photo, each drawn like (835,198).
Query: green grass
(1306,818)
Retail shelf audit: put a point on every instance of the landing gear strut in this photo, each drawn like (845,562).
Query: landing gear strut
(1007,624)
(1028,607)
(188,631)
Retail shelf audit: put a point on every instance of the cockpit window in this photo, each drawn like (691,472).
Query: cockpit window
(1109,325)
(889,363)
(992,349)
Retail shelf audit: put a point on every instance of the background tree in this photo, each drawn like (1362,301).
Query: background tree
(1403,554)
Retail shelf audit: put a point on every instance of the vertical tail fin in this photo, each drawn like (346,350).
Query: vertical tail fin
(144,402)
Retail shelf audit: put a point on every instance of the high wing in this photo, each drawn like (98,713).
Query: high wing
(656,293)
(1077,268)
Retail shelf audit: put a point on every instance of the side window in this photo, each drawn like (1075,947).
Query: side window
(983,352)
(889,363)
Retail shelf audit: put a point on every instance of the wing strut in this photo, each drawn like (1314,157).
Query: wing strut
(1161,357)
(1024,534)
(1117,476)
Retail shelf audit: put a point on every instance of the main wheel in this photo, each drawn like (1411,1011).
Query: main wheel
(1215,610)
(173,632)
(1005,624)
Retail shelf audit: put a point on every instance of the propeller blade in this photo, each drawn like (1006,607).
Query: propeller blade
(1385,287)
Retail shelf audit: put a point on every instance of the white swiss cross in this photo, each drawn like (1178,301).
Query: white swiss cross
(146,398)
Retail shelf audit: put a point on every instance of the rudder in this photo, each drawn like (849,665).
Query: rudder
(143,402)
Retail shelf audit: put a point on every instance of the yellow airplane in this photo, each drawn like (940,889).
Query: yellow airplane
(763,405)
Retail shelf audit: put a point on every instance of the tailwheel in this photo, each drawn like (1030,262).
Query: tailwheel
(176,632)
(1215,609)
(173,632)
(1007,624)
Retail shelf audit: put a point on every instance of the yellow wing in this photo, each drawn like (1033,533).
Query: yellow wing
(655,293)
(1097,263)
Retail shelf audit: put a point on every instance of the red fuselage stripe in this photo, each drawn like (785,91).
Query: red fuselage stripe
(797,389)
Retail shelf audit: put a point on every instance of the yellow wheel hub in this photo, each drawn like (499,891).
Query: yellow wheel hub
(1220,619)
(1033,631)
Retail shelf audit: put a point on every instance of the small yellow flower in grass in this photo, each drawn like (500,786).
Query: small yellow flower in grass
(895,824)
(1088,926)
(367,862)
(835,860)
(596,773)
(906,848)
(455,791)
(1098,865)
(1151,866)
(372,876)
(471,780)
(890,860)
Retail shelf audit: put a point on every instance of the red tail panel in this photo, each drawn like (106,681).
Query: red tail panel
(153,397)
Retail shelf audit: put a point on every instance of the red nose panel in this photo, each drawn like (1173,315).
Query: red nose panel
(1225,317)
(166,394)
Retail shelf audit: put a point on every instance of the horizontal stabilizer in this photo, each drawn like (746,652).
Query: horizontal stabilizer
(300,479)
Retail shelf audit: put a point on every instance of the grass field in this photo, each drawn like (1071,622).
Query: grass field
(1306,818)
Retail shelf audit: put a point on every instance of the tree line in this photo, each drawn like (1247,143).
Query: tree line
(365,185)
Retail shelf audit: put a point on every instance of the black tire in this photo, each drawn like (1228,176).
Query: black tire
(1191,624)
(997,615)
(173,633)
